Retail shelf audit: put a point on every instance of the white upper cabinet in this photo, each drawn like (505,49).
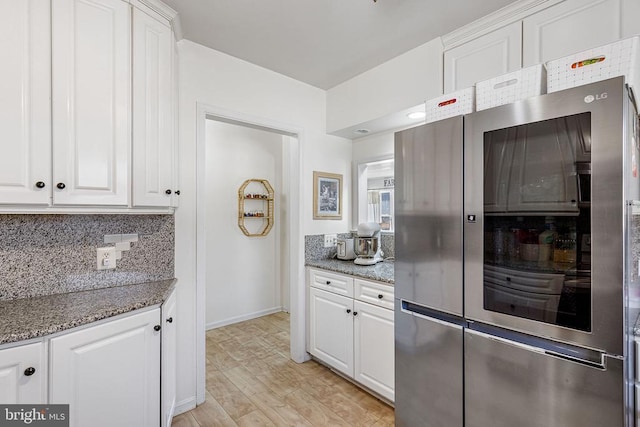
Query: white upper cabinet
(153,126)
(490,55)
(569,27)
(91,80)
(630,21)
(25,108)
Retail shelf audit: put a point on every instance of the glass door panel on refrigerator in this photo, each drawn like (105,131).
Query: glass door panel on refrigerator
(536,216)
(543,202)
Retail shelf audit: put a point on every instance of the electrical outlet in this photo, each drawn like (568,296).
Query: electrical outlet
(330,240)
(106,258)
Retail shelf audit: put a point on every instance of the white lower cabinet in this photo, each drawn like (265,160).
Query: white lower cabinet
(352,336)
(23,377)
(331,327)
(109,373)
(374,348)
(168,360)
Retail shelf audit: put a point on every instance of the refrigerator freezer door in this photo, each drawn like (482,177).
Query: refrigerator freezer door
(428,209)
(510,384)
(428,371)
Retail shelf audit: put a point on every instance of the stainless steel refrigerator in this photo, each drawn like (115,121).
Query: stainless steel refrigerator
(511,255)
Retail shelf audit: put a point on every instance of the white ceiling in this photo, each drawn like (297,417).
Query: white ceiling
(323,42)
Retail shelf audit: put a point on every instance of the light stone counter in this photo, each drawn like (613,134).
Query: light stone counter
(382,271)
(27,318)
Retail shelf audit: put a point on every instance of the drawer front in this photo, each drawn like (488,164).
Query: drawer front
(374,293)
(331,282)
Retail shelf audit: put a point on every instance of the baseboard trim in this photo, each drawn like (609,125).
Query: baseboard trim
(248,316)
(184,406)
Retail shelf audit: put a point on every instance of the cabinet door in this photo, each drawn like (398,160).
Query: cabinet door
(570,27)
(25,105)
(331,329)
(168,360)
(630,21)
(374,348)
(109,373)
(22,374)
(488,56)
(152,111)
(91,69)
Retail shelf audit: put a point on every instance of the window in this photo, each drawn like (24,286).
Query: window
(375,182)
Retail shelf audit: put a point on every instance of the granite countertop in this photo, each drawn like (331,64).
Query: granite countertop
(382,271)
(27,318)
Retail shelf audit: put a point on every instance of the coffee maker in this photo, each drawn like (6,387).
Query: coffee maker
(367,244)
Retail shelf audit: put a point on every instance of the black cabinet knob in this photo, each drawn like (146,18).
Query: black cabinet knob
(328,282)
(39,184)
(348,311)
(508,279)
(157,328)
(170,320)
(61,185)
(355,313)
(30,371)
(177,192)
(167,192)
(380,296)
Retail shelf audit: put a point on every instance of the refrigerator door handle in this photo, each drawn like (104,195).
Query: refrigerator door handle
(423,312)
(507,341)
(596,361)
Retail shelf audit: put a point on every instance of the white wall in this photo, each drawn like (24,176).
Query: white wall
(402,82)
(243,273)
(373,147)
(225,82)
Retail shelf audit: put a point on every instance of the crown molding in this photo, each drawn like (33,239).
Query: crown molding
(498,19)
(160,8)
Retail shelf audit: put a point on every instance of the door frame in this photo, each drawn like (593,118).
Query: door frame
(292,161)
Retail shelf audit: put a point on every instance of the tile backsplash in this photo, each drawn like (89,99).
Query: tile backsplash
(52,254)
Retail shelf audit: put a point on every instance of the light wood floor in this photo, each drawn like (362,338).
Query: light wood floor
(252,382)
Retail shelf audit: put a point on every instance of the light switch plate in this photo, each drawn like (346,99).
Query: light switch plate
(106,258)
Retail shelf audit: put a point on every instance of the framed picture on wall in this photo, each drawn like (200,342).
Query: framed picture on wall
(327,195)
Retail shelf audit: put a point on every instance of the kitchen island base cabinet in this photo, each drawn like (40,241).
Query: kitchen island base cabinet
(108,373)
(23,375)
(352,336)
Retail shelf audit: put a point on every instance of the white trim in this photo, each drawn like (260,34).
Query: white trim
(232,320)
(184,406)
(294,208)
(157,7)
(498,19)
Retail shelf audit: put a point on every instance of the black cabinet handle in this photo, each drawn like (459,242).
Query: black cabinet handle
(328,282)
(61,185)
(177,192)
(380,296)
(170,320)
(167,192)
(348,311)
(157,328)
(39,184)
(30,371)
(508,279)
(355,313)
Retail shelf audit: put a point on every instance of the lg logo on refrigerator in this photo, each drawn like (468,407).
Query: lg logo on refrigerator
(590,98)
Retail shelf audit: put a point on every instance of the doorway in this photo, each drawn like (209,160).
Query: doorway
(268,270)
